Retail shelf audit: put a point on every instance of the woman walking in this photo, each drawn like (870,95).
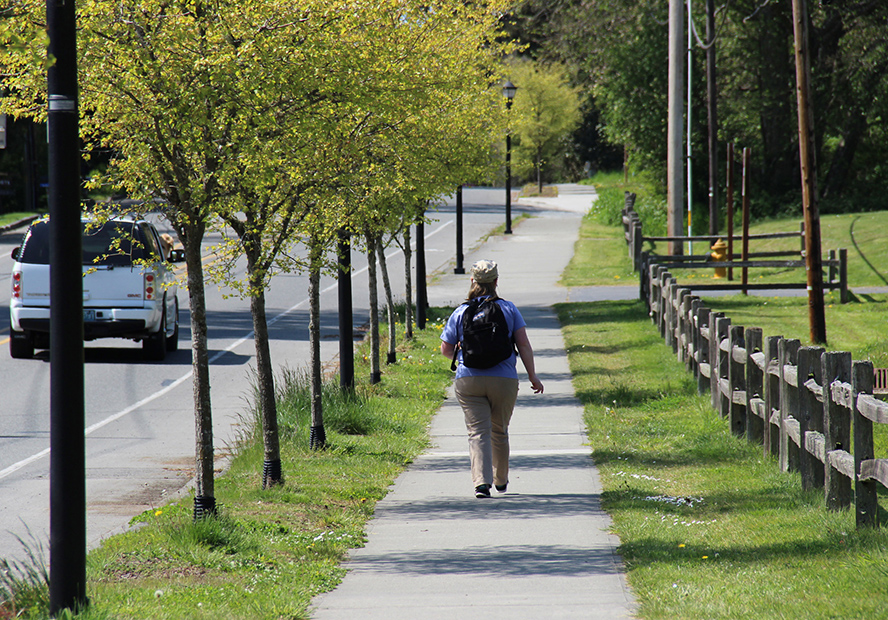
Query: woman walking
(486,376)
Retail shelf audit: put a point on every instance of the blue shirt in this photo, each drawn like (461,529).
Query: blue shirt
(452,334)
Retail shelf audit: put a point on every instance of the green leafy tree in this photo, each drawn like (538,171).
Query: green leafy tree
(546,111)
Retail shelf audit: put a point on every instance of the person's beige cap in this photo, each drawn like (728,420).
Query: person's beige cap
(484,271)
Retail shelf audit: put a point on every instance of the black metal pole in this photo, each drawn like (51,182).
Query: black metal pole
(422,298)
(509,179)
(346,326)
(67,469)
(460,269)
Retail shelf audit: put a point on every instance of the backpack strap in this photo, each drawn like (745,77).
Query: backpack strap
(453,361)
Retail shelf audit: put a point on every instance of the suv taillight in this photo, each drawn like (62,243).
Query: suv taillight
(16,284)
(149,286)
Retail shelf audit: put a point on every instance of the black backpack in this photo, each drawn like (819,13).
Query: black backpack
(485,335)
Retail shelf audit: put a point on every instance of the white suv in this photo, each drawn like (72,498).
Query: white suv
(129,288)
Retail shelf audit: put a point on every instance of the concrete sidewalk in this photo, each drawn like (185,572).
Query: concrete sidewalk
(541,550)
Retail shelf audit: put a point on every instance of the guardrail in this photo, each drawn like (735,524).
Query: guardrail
(800,403)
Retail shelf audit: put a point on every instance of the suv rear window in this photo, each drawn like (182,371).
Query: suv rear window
(114,243)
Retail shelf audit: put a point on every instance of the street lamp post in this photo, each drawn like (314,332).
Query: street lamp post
(509,90)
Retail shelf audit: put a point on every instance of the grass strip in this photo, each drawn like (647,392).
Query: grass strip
(270,551)
(709,527)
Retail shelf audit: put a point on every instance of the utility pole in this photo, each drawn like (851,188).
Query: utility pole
(813,261)
(67,465)
(712,116)
(674,163)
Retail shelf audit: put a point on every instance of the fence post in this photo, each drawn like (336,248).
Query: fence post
(836,428)
(736,381)
(755,378)
(701,348)
(831,270)
(772,395)
(681,320)
(669,326)
(643,274)
(694,304)
(844,296)
(662,294)
(637,243)
(810,415)
(669,283)
(713,358)
(787,355)
(723,333)
(867,504)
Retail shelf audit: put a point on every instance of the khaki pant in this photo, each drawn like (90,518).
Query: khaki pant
(487,404)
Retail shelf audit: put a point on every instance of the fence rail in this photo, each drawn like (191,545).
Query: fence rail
(835,266)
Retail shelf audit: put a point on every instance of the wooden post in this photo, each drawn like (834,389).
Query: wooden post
(844,296)
(744,189)
(736,381)
(772,395)
(836,428)
(787,355)
(810,415)
(813,260)
(755,379)
(637,242)
(867,503)
(729,199)
(712,116)
(702,347)
(675,113)
(693,305)
(713,357)
(681,324)
(723,333)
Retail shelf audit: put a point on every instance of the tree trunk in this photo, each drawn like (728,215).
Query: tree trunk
(204,498)
(391,356)
(271,469)
(408,284)
(318,436)
(318,439)
(778,116)
(375,373)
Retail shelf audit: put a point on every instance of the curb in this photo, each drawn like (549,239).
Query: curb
(19,224)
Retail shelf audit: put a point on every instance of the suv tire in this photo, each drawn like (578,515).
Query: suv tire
(21,346)
(172,342)
(154,345)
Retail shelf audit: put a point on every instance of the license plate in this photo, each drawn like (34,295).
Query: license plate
(89,315)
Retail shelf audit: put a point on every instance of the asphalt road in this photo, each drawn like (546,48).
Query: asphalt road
(139,415)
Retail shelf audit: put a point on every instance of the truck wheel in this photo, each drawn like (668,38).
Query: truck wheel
(172,342)
(154,345)
(21,346)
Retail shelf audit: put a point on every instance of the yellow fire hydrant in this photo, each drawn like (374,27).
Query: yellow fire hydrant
(719,255)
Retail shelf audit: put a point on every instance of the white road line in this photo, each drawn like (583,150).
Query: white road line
(123,412)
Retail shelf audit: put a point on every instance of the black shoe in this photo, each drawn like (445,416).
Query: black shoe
(501,488)
(482,491)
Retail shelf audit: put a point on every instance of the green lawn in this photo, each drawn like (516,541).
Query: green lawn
(270,551)
(709,526)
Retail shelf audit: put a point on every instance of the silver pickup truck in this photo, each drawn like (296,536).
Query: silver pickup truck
(129,288)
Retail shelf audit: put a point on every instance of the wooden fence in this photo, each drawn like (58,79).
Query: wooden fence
(812,409)
(835,266)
